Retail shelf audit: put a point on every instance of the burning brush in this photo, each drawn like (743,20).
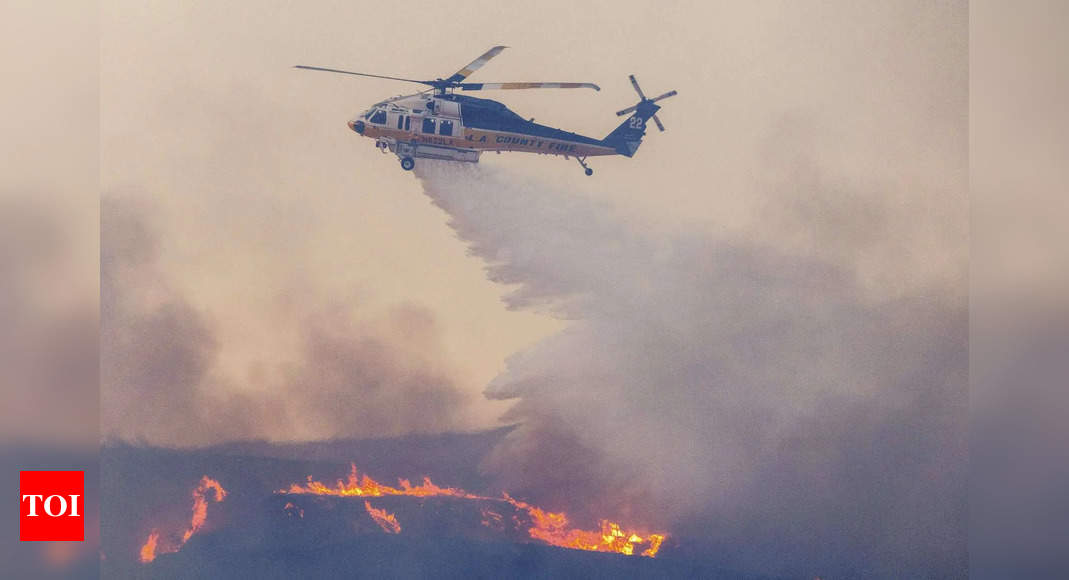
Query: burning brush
(552,528)
(488,517)
(152,545)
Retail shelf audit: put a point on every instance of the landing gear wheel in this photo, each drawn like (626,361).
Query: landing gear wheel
(582,163)
(407,163)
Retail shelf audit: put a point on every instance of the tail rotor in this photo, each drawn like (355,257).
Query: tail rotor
(645,101)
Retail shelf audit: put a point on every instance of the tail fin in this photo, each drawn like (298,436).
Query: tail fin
(626,138)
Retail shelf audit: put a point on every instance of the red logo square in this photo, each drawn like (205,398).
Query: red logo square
(51,506)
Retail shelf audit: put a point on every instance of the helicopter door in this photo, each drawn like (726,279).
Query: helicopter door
(451,125)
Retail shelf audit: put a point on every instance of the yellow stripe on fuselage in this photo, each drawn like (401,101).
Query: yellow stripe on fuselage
(484,140)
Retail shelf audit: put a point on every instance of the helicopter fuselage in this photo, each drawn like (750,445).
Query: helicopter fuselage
(460,128)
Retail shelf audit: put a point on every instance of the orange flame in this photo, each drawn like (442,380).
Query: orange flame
(549,527)
(387,521)
(151,546)
(200,504)
(366,486)
(148,551)
(552,528)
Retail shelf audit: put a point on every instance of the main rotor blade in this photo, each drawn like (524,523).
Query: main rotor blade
(347,72)
(634,83)
(506,86)
(664,96)
(623,112)
(475,65)
(659,124)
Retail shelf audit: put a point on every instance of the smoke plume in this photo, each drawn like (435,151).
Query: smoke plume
(761,403)
(162,384)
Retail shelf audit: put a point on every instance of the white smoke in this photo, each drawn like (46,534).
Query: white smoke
(758,401)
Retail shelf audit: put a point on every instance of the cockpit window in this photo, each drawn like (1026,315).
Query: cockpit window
(379,117)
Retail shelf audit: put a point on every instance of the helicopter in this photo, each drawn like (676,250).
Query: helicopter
(438,123)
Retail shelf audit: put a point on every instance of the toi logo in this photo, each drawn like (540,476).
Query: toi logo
(51,506)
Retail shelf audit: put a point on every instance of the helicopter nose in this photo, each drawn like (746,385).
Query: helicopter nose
(357,126)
